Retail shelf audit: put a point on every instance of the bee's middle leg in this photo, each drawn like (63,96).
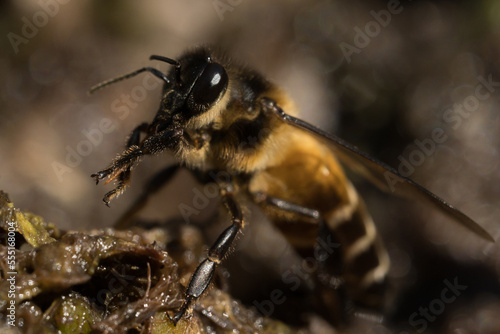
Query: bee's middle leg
(206,269)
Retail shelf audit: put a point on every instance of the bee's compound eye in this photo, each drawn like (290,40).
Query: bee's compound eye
(210,85)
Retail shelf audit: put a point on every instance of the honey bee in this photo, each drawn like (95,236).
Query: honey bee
(209,109)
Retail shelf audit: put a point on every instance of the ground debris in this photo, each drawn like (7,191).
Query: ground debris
(108,281)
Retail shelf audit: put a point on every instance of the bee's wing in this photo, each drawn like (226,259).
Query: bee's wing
(382,175)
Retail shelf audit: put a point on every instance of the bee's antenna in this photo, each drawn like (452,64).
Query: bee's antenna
(171,62)
(154,71)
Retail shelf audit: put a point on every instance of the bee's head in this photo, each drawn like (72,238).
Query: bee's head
(193,89)
(197,83)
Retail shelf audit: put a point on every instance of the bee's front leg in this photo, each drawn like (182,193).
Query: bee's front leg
(120,168)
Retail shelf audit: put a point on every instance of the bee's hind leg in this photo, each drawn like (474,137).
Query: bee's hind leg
(325,250)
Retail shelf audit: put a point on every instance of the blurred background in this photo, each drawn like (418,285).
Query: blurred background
(384,75)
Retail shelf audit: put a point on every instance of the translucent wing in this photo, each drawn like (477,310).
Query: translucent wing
(382,175)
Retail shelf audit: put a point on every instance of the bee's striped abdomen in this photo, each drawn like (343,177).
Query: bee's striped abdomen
(365,260)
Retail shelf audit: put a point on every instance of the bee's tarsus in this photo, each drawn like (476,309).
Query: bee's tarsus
(100,175)
(107,198)
(178,316)
(95,177)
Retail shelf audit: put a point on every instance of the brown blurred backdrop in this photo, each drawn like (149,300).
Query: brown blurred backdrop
(405,75)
